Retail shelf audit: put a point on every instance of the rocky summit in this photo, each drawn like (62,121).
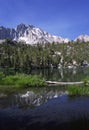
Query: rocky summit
(30,35)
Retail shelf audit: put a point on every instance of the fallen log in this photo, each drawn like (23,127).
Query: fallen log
(64,83)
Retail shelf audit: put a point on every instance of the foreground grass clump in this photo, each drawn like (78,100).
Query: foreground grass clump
(78,90)
(22,80)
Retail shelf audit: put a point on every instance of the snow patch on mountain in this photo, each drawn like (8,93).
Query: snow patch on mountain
(30,34)
(82,38)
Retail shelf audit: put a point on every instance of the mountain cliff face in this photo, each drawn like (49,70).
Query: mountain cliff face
(30,34)
(82,38)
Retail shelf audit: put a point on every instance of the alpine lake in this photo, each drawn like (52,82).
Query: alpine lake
(46,108)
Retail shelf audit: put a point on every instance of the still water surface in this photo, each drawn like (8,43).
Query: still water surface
(63,74)
(46,108)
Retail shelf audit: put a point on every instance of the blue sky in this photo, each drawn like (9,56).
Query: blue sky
(66,18)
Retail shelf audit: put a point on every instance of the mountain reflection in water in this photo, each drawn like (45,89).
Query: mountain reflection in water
(32,99)
(29,99)
(44,109)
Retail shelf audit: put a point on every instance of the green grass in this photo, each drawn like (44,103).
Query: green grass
(78,90)
(75,90)
(22,80)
